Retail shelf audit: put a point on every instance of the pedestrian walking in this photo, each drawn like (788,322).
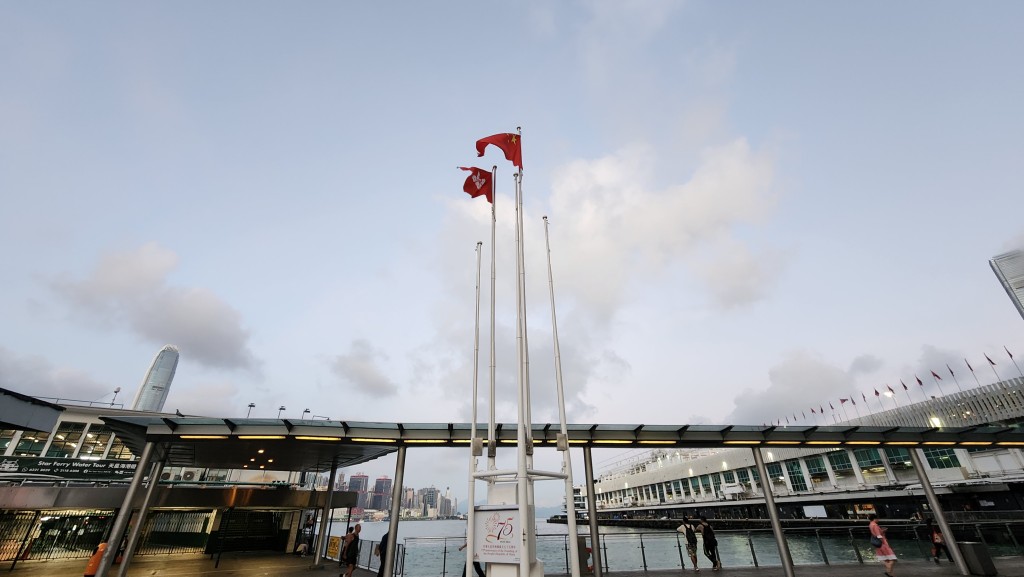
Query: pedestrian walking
(350,550)
(381,550)
(883,552)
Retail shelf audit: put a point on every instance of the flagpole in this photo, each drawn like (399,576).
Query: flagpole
(470,522)
(563,442)
(952,374)
(907,391)
(992,366)
(1013,361)
(492,442)
(973,374)
(937,384)
(920,383)
(843,406)
(522,479)
(855,407)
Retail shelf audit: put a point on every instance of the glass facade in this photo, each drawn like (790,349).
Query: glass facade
(65,440)
(31,444)
(942,458)
(796,475)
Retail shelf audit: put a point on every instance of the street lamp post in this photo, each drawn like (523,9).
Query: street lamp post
(304,414)
(279,410)
(251,407)
(114,400)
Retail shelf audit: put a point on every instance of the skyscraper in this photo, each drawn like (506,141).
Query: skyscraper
(381,500)
(1009,269)
(154,388)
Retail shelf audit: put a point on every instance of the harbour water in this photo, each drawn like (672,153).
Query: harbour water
(430,548)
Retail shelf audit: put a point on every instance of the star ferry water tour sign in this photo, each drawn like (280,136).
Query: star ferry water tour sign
(498,536)
(68,468)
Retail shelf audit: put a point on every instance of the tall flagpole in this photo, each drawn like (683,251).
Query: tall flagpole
(973,374)
(492,442)
(936,379)
(563,442)
(471,521)
(992,365)
(522,440)
(907,391)
(842,405)
(952,374)
(1013,361)
(852,400)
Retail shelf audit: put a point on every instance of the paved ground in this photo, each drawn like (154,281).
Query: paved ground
(278,565)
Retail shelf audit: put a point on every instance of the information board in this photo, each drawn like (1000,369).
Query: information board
(498,536)
(68,468)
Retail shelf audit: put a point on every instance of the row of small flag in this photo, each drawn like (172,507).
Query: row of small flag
(821,408)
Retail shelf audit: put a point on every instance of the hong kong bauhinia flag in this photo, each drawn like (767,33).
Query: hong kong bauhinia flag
(510,144)
(478,183)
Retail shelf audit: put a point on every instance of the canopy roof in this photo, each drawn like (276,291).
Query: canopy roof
(313,445)
(25,413)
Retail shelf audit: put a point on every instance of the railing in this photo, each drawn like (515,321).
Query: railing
(754,548)
(367,560)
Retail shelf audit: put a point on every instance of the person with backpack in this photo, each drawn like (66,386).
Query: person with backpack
(691,540)
(938,541)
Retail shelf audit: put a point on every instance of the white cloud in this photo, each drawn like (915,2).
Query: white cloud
(129,290)
(37,377)
(361,368)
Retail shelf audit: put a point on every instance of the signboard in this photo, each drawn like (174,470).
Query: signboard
(68,468)
(334,547)
(498,536)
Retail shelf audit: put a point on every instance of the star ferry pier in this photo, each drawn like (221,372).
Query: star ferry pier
(272,516)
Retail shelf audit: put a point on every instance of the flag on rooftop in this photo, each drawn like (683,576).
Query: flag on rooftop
(830,406)
(919,381)
(510,144)
(904,385)
(843,402)
(969,366)
(1008,352)
(936,375)
(813,412)
(478,183)
(876,392)
(990,361)
(853,401)
(864,397)
(951,373)
(890,388)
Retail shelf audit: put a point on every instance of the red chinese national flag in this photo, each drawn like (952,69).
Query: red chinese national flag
(509,143)
(478,183)
(843,401)
(890,389)
(936,376)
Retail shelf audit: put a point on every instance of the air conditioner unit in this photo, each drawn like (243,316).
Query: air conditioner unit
(188,476)
(165,476)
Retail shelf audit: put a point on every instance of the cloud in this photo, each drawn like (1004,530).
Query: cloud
(205,399)
(635,229)
(130,290)
(37,377)
(800,381)
(360,367)
(865,364)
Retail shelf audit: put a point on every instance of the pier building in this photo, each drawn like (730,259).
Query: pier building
(830,481)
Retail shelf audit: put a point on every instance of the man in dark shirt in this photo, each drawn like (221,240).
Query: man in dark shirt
(710,543)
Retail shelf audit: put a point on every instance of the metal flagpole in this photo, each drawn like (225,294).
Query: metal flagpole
(973,374)
(855,406)
(563,441)
(952,374)
(992,365)
(842,405)
(474,448)
(1013,361)
(492,443)
(936,379)
(522,480)
(907,391)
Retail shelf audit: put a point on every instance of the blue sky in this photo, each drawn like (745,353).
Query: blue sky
(754,206)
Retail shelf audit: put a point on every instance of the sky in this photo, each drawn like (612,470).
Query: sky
(755,208)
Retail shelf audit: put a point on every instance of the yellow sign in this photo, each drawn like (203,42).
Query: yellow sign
(334,547)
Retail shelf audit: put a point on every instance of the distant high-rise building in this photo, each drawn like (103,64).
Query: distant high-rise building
(381,499)
(1009,269)
(154,388)
(358,484)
